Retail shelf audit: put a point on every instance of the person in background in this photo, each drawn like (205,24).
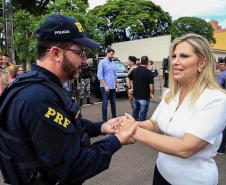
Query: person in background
(5,77)
(11,67)
(165,66)
(138,62)
(106,74)
(12,71)
(20,70)
(153,69)
(142,82)
(186,127)
(72,88)
(131,65)
(44,139)
(84,84)
(221,80)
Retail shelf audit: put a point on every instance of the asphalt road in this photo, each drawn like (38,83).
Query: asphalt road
(133,164)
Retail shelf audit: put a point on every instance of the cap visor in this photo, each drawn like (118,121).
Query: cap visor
(87,42)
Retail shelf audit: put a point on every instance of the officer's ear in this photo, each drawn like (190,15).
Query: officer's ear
(56,53)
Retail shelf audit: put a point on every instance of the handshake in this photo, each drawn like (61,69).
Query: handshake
(123,127)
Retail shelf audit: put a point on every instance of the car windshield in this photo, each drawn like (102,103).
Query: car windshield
(120,68)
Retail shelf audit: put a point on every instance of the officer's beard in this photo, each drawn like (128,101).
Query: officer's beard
(70,70)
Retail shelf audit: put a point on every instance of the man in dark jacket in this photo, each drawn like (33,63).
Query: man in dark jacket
(46,139)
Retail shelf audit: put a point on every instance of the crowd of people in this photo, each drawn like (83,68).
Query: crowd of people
(47,141)
(8,71)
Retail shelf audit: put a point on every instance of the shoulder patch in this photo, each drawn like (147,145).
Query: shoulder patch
(56,117)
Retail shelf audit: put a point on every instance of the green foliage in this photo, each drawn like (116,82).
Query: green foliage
(25,26)
(67,6)
(115,21)
(35,7)
(120,20)
(196,25)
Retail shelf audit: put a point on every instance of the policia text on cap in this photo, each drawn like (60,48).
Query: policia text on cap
(43,139)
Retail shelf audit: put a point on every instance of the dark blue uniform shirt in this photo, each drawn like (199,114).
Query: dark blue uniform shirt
(36,114)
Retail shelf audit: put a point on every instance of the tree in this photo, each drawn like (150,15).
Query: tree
(26,25)
(120,20)
(35,7)
(196,25)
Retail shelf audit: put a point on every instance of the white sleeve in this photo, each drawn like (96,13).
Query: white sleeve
(209,119)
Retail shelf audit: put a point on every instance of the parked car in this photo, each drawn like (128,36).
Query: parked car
(121,72)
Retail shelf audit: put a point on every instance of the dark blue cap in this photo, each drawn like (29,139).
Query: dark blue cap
(60,28)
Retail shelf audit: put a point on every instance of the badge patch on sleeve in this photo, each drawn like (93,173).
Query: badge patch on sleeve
(56,117)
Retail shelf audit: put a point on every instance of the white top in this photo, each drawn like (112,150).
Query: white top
(205,119)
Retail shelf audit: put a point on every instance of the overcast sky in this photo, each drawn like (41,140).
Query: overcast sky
(206,9)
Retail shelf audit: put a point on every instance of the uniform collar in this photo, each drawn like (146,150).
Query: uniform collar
(49,74)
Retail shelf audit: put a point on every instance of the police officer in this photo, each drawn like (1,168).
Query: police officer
(43,139)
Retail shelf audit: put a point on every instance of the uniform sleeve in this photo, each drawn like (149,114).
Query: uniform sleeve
(209,120)
(93,129)
(57,140)
(73,162)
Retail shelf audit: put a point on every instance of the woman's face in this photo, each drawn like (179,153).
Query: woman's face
(185,64)
(129,63)
(20,70)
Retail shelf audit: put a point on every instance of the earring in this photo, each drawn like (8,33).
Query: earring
(200,70)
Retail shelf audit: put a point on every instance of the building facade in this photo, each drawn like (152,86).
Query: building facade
(219,48)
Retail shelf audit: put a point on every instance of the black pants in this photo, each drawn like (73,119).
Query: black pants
(158,178)
(166,79)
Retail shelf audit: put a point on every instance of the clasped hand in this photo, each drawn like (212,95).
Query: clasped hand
(123,127)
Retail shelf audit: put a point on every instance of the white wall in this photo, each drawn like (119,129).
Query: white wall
(156,48)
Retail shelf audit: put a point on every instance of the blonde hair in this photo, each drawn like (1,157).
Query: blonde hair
(12,70)
(206,77)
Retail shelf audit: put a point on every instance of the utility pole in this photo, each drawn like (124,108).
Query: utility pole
(8,28)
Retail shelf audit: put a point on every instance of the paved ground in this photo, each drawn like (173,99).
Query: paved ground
(133,164)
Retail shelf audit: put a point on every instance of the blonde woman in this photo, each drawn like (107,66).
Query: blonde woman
(186,128)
